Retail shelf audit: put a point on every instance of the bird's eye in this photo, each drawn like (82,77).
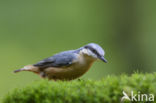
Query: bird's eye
(94,51)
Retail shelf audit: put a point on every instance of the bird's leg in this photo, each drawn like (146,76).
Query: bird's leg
(80,79)
(43,74)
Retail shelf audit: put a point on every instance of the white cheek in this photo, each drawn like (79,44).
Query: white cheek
(89,53)
(85,51)
(92,54)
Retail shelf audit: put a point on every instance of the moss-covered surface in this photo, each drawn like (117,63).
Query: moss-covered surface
(107,90)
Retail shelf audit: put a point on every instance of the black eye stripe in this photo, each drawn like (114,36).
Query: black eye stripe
(93,50)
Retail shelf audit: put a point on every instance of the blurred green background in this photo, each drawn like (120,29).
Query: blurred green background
(31,30)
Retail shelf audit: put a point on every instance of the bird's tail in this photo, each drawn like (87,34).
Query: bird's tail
(18,70)
(26,68)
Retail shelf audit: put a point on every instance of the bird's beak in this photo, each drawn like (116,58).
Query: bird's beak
(103,59)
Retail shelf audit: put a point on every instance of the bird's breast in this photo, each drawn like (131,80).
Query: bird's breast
(77,69)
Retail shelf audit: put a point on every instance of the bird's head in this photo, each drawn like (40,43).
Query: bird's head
(95,51)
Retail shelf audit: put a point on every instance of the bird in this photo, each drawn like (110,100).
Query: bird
(67,65)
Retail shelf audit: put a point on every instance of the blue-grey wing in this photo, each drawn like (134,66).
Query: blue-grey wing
(58,60)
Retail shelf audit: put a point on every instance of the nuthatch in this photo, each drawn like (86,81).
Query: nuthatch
(67,65)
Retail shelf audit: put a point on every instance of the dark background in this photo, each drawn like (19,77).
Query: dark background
(31,30)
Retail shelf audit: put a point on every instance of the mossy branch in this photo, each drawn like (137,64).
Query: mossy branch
(107,90)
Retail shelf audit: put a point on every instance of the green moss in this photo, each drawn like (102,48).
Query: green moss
(107,90)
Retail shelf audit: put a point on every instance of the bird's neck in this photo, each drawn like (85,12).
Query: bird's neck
(84,59)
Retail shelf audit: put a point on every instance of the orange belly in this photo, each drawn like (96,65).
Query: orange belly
(68,73)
